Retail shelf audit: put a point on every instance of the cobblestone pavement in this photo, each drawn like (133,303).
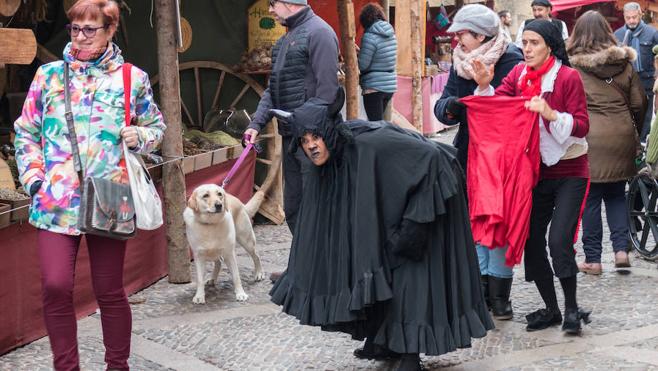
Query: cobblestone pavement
(171,333)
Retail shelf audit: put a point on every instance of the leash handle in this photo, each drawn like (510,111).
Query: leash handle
(237,164)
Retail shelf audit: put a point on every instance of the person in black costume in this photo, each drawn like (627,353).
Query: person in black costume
(383,248)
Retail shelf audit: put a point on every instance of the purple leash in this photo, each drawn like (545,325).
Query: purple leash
(239,162)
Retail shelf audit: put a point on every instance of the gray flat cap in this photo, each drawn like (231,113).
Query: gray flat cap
(476,18)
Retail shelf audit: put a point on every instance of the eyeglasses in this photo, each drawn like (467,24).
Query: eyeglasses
(89,32)
(273,2)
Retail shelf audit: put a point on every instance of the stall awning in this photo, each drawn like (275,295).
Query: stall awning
(560,5)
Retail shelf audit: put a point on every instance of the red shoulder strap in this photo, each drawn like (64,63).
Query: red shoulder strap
(126,91)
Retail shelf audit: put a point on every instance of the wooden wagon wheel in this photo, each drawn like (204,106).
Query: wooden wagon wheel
(230,89)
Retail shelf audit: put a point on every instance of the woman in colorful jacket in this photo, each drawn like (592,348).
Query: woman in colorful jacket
(45,163)
(377,61)
(555,91)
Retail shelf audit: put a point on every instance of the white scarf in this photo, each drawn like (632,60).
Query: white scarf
(489,53)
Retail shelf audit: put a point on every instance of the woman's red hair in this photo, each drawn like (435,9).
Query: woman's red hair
(107,10)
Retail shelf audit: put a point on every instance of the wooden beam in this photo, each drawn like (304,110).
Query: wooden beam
(44,55)
(172,146)
(348,40)
(18,46)
(417,55)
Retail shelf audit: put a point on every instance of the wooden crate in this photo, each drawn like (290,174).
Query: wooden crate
(4,215)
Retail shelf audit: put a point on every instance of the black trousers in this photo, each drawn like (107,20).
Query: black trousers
(295,165)
(375,104)
(558,202)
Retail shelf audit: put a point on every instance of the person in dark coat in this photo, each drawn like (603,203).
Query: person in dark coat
(480,37)
(478,30)
(382,250)
(616,102)
(377,61)
(641,37)
(304,66)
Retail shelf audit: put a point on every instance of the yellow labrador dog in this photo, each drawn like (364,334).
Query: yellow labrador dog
(215,221)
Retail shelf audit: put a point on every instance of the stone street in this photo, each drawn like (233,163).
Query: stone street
(172,333)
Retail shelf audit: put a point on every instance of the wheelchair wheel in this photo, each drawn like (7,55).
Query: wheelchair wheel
(642,215)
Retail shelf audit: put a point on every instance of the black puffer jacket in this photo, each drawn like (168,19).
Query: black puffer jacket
(459,87)
(304,66)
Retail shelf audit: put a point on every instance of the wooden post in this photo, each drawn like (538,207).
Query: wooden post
(387,8)
(348,38)
(416,63)
(172,146)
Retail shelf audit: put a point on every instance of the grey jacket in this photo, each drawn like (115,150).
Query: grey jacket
(648,37)
(304,66)
(378,58)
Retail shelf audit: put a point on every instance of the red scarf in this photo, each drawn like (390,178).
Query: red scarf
(530,83)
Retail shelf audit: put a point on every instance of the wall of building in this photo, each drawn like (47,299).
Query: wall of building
(520,10)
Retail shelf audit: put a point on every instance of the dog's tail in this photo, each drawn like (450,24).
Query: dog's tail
(254,203)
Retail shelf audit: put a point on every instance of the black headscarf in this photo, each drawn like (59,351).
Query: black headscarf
(552,36)
(324,120)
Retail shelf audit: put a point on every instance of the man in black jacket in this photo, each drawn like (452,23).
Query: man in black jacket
(304,66)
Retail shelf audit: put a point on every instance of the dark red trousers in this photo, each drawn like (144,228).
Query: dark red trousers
(57,255)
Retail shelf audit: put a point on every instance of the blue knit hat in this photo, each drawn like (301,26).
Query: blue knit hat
(298,2)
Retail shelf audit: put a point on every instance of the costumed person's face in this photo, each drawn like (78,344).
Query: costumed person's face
(280,11)
(90,37)
(541,12)
(535,50)
(315,148)
(632,18)
(468,41)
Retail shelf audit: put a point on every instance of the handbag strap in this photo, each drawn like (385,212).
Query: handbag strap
(127,89)
(68,114)
(611,81)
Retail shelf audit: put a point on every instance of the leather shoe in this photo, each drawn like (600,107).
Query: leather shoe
(378,353)
(621,260)
(542,319)
(572,318)
(590,268)
(275,276)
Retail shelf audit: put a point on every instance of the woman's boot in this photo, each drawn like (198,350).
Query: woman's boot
(410,362)
(484,279)
(499,292)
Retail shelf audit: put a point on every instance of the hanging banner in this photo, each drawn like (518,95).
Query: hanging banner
(264,30)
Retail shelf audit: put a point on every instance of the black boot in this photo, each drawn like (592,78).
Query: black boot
(542,319)
(371,350)
(410,362)
(572,318)
(499,291)
(484,279)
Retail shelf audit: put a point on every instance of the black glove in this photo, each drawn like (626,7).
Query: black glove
(34,188)
(455,108)
(410,240)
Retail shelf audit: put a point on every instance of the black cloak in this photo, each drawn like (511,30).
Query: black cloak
(341,263)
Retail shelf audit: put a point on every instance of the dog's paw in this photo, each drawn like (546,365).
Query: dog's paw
(259,276)
(199,299)
(241,296)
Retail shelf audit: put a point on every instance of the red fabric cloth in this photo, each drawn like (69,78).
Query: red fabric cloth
(530,83)
(503,168)
(568,95)
(561,5)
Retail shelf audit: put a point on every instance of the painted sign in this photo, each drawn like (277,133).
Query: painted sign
(263,28)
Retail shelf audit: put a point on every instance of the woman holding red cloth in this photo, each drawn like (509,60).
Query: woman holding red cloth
(556,93)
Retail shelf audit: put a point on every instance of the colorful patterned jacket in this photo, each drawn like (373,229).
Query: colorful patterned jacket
(43,150)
